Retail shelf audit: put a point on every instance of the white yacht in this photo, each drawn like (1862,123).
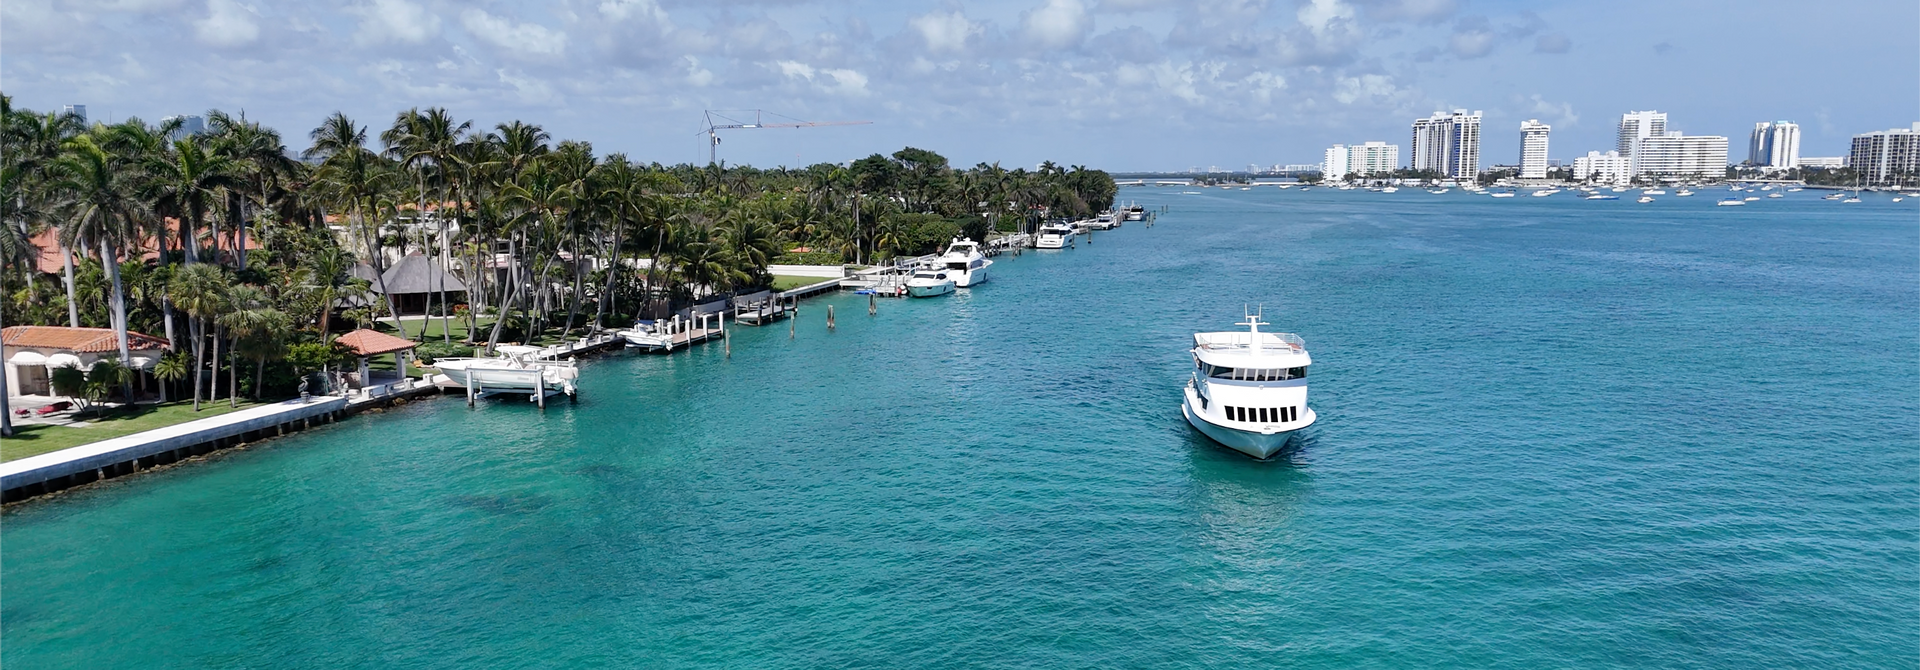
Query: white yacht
(1545,192)
(1390,189)
(514,369)
(647,334)
(1731,202)
(1645,199)
(1682,193)
(1775,195)
(964,263)
(1249,389)
(1136,213)
(1103,222)
(929,282)
(1502,194)
(1654,191)
(1054,236)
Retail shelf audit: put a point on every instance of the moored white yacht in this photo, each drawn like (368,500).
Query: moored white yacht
(515,369)
(1054,236)
(1104,221)
(964,263)
(1249,389)
(929,282)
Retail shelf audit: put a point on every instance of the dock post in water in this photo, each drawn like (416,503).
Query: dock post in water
(540,388)
(469,389)
(829,317)
(873,305)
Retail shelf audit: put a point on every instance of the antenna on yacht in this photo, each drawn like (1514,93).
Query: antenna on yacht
(1253,324)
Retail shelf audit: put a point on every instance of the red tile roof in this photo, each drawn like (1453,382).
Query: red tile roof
(80,340)
(365,342)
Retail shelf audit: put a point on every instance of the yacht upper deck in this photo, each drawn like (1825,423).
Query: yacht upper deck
(1235,348)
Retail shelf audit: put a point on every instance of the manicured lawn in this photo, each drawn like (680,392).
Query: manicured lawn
(790,282)
(34,440)
(456,325)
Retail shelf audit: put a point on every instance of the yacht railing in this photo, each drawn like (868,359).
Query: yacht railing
(1268,341)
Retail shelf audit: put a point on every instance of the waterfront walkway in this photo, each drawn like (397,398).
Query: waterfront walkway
(106,458)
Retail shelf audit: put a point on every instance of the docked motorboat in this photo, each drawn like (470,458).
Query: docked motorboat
(1104,221)
(514,369)
(648,334)
(1136,213)
(964,263)
(1054,236)
(1249,389)
(929,282)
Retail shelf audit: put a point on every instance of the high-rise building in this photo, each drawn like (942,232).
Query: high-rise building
(1636,127)
(190,125)
(1533,149)
(1610,167)
(76,110)
(1774,144)
(1887,155)
(1675,154)
(1448,143)
(1373,158)
(1334,166)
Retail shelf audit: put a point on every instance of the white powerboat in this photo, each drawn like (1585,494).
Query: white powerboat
(647,334)
(1390,189)
(1136,213)
(1502,194)
(1054,236)
(1597,196)
(1249,389)
(929,282)
(1644,199)
(1545,192)
(1103,222)
(964,263)
(515,369)
(1653,191)
(1731,202)
(1775,195)
(1751,198)
(1682,193)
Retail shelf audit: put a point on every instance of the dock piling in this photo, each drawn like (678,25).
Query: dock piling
(873,305)
(829,317)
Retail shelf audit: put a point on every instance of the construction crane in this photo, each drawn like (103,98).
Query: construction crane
(759,115)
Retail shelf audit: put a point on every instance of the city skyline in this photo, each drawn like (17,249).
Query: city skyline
(1121,84)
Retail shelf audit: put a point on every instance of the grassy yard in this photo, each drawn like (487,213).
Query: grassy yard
(790,282)
(34,440)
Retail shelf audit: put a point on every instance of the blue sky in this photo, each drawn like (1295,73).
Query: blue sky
(1117,84)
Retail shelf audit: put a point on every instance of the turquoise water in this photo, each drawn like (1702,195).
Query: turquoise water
(1553,433)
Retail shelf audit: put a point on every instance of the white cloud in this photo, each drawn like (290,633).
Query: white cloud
(383,21)
(1319,15)
(1058,24)
(944,32)
(228,24)
(525,39)
(839,81)
(1366,87)
(1561,112)
(1471,42)
(696,75)
(646,10)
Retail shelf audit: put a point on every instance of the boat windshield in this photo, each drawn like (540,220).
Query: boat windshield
(1254,374)
(928,275)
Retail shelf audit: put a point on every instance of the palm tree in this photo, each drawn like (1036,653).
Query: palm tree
(170,369)
(99,202)
(255,325)
(328,275)
(200,290)
(262,160)
(351,174)
(184,182)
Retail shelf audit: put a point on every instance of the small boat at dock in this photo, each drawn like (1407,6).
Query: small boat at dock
(929,282)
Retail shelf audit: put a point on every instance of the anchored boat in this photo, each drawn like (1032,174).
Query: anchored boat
(1249,389)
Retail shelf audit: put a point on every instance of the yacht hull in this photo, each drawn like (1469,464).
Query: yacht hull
(1256,444)
(930,291)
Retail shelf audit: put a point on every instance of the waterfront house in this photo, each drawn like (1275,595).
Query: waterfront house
(415,284)
(33,351)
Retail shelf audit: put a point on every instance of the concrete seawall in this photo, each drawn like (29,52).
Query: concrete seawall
(32,476)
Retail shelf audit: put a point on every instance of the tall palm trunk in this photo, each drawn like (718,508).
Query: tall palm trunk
(233,377)
(213,389)
(373,254)
(73,306)
(573,305)
(6,412)
(199,360)
(613,270)
(119,302)
(506,298)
